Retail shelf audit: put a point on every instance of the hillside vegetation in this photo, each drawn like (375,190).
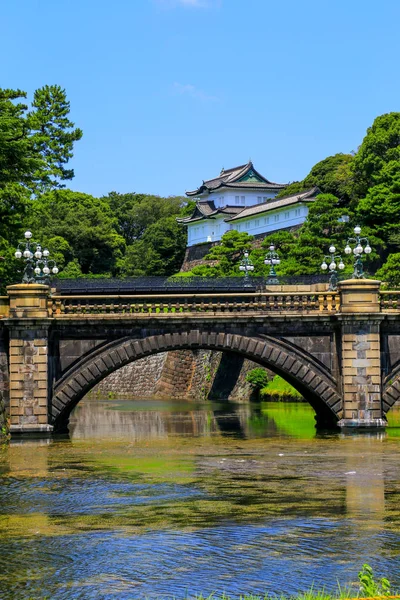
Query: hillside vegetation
(134,234)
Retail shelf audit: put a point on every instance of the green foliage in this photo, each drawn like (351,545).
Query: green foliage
(332,175)
(224,259)
(302,252)
(370,588)
(257,377)
(380,209)
(389,273)
(280,388)
(35,145)
(71,271)
(380,147)
(18,160)
(52,135)
(84,228)
(136,212)
(321,228)
(160,250)
(377,181)
(293,188)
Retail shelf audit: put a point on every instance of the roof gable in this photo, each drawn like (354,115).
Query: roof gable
(242,174)
(252,175)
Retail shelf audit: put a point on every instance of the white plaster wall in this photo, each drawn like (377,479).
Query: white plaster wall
(212,230)
(243,198)
(209,230)
(272,221)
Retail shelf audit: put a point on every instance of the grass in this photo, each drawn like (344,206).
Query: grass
(369,587)
(279,388)
(310,595)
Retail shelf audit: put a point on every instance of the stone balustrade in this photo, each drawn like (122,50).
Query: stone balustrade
(66,306)
(390,300)
(60,306)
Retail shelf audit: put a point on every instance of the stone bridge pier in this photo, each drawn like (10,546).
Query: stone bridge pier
(53,350)
(360,351)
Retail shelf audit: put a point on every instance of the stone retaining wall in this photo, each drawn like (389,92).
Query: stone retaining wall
(137,380)
(181,374)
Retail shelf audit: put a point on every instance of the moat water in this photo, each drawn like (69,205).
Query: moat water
(167,499)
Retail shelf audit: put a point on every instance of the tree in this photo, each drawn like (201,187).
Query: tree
(379,147)
(257,377)
(377,175)
(71,271)
(332,175)
(224,259)
(18,159)
(136,212)
(34,147)
(160,250)
(323,227)
(52,135)
(380,209)
(389,273)
(86,226)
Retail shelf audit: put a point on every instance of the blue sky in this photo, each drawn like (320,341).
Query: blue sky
(169,91)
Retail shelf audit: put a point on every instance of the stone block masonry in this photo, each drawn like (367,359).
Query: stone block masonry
(28,378)
(361,354)
(4,379)
(361,370)
(181,375)
(177,375)
(28,328)
(136,380)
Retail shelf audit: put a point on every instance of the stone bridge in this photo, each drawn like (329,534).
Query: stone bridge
(340,350)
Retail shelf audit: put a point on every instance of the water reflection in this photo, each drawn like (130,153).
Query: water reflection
(152,419)
(154,499)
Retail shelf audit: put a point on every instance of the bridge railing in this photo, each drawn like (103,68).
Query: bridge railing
(390,300)
(63,306)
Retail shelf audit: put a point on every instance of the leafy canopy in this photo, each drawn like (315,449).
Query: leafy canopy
(332,175)
(136,212)
(85,223)
(35,144)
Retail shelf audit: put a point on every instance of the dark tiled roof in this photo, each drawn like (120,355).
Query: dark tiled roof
(255,185)
(307,196)
(206,210)
(231,209)
(229,176)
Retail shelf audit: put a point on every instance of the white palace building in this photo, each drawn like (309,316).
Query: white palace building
(242,199)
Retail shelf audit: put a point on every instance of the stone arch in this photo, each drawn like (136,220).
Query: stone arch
(308,376)
(391,390)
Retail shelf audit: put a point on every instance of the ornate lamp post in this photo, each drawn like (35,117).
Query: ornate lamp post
(38,266)
(357,251)
(247,266)
(333,279)
(272,259)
